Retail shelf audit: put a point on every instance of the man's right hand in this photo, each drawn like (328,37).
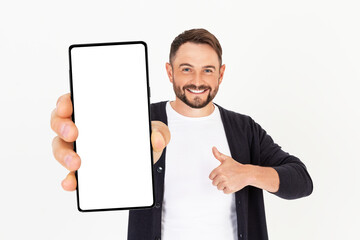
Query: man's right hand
(67,133)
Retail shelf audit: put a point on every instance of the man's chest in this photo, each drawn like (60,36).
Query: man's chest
(189,157)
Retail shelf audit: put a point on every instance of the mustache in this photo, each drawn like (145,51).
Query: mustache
(194,87)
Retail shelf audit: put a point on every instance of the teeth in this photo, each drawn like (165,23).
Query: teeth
(196,91)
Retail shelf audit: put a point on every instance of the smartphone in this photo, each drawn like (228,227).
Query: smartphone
(110,92)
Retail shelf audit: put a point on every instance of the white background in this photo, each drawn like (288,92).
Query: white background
(291,65)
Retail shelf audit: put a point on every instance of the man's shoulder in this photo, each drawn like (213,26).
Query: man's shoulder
(158,104)
(234,117)
(158,111)
(158,107)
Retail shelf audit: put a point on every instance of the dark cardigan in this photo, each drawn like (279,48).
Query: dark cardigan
(249,144)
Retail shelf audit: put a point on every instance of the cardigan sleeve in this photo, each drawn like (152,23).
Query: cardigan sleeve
(295,181)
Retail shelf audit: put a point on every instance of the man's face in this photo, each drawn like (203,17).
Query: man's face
(196,74)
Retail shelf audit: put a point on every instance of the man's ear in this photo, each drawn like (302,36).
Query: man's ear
(169,71)
(222,70)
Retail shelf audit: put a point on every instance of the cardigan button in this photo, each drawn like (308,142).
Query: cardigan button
(157,205)
(159,169)
(157,238)
(240,235)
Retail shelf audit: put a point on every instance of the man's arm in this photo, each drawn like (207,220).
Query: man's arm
(277,171)
(294,179)
(265,178)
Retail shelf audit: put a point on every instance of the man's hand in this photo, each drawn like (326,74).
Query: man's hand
(67,133)
(232,176)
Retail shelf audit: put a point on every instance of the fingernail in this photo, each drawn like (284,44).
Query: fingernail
(65,130)
(67,160)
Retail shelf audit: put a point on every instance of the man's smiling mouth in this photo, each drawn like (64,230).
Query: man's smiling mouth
(196,91)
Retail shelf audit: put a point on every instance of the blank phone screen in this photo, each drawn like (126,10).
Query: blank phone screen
(110,95)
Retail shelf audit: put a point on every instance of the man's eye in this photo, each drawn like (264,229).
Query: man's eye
(208,70)
(186,69)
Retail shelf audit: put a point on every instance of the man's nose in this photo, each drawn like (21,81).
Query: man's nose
(197,81)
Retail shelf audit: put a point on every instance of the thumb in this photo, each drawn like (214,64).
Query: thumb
(218,155)
(160,135)
(157,141)
(158,144)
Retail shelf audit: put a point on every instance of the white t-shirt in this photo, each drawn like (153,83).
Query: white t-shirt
(192,207)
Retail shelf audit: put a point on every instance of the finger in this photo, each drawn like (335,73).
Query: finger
(217,180)
(221,186)
(160,136)
(214,173)
(69,183)
(65,155)
(157,141)
(227,190)
(218,155)
(63,127)
(217,171)
(64,107)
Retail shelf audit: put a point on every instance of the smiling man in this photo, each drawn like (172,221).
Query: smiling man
(212,151)
(209,179)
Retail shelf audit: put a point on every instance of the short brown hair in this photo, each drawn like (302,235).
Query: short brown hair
(198,35)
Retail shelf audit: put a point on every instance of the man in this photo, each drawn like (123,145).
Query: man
(217,162)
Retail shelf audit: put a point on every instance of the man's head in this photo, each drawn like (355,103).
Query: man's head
(195,67)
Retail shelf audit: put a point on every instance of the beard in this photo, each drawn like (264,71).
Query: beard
(197,102)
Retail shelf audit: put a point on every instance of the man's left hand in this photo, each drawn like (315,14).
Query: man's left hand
(230,176)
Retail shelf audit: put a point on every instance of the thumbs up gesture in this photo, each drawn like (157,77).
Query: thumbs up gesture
(230,176)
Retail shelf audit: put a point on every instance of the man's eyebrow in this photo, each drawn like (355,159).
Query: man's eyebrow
(209,66)
(186,65)
(189,65)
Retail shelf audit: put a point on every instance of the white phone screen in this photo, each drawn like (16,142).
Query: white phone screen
(110,95)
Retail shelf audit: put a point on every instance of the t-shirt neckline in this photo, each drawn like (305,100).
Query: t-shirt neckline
(174,114)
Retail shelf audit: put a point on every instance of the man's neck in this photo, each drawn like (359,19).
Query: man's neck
(183,109)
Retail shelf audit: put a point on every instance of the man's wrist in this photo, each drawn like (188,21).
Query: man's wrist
(252,173)
(263,177)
